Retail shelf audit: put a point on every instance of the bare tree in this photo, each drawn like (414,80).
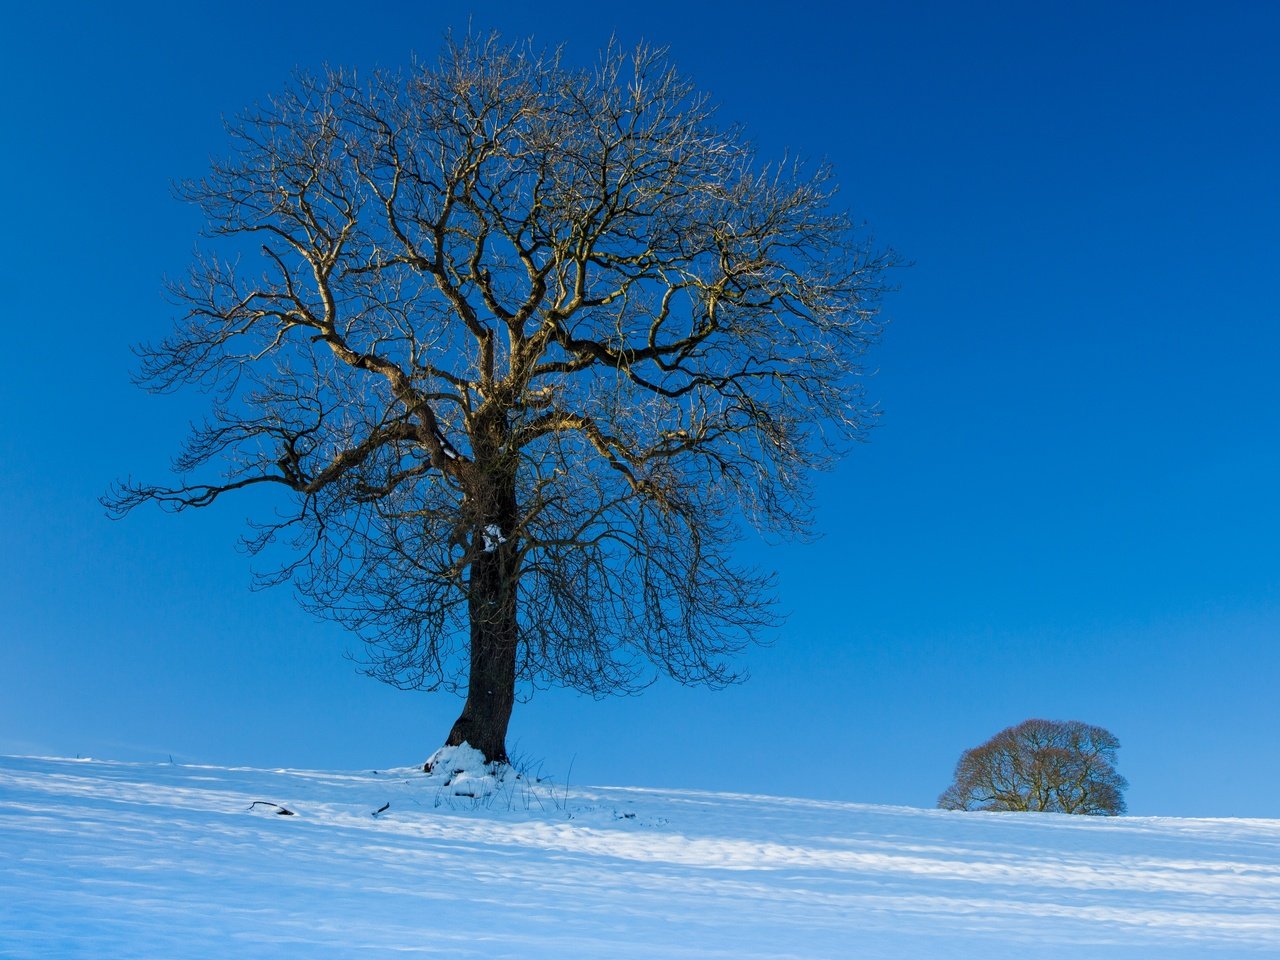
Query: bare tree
(1046,765)
(523,345)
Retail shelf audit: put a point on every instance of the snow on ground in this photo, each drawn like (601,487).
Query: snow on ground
(123,860)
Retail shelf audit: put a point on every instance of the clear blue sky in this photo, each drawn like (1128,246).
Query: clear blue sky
(1071,507)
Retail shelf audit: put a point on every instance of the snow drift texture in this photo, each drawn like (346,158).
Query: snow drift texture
(160,861)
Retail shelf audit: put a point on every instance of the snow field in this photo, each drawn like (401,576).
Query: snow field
(117,860)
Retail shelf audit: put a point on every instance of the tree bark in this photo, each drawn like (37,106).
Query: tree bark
(491,684)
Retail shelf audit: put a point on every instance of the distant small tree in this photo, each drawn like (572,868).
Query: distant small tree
(1043,765)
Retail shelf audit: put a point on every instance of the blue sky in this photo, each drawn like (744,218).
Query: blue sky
(1069,508)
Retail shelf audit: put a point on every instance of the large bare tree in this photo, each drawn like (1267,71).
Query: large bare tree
(522,345)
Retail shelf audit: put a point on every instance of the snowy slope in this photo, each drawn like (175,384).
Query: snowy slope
(115,860)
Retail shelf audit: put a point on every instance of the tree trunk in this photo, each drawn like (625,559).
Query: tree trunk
(491,685)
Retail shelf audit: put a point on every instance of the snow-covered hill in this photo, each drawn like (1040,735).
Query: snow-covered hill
(114,860)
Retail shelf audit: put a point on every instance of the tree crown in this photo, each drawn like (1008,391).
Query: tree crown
(508,311)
